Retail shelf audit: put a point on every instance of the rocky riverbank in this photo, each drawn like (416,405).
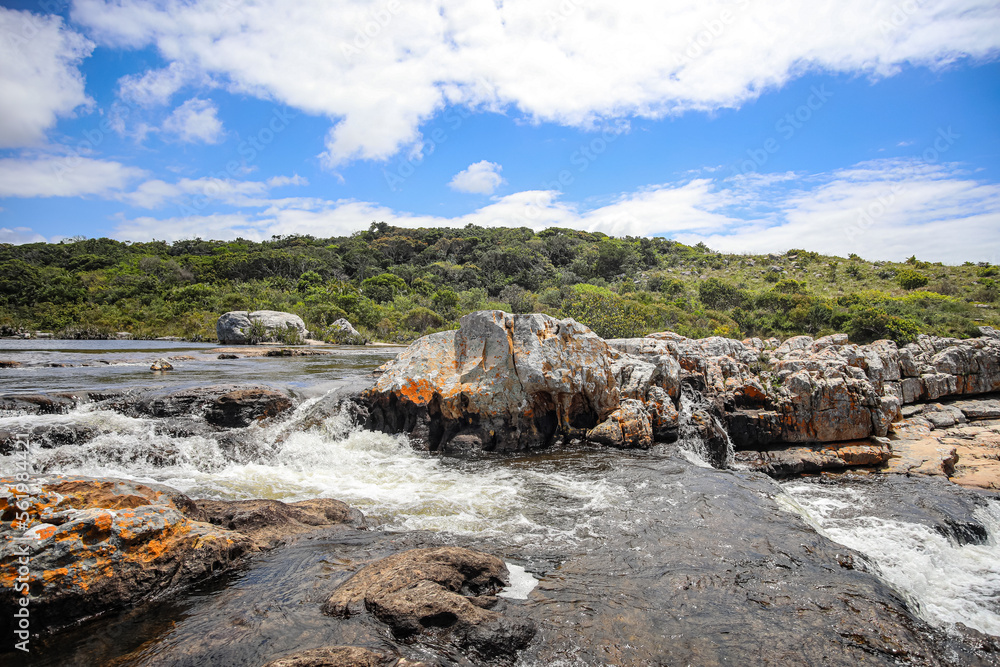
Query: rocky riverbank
(513,382)
(687,565)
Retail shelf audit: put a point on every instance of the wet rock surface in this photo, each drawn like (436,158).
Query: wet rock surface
(270,522)
(343,656)
(97,544)
(697,566)
(446,592)
(228,406)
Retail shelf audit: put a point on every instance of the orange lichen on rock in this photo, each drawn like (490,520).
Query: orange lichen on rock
(93,558)
(417,391)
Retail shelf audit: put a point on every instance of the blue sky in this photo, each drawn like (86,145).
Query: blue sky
(838,126)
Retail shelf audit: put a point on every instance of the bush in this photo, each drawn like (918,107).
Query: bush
(790,286)
(607,313)
(909,279)
(718,294)
(421,319)
(520,300)
(870,323)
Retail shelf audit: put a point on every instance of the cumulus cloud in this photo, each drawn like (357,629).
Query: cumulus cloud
(195,121)
(39,75)
(379,70)
(881,210)
(482,178)
(63,176)
(154,87)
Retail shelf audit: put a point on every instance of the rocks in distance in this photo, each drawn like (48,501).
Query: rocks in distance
(236,327)
(504,382)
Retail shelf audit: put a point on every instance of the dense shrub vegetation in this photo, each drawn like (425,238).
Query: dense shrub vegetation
(395,284)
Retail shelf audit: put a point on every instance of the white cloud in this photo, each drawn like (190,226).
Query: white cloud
(154,87)
(281,181)
(379,70)
(39,75)
(482,178)
(197,192)
(19,235)
(195,121)
(886,209)
(63,176)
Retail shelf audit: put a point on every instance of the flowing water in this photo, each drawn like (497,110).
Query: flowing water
(639,557)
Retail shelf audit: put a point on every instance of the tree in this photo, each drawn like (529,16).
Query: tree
(384,287)
(720,295)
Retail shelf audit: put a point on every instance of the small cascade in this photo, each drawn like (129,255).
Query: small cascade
(947,576)
(700,431)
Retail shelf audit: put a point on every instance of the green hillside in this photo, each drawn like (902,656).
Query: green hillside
(395,284)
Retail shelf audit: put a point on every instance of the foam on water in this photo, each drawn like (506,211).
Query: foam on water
(309,457)
(947,583)
(521,583)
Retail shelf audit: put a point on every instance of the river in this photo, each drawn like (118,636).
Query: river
(639,557)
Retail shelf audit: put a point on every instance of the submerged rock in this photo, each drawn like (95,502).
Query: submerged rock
(343,656)
(269,522)
(445,592)
(228,406)
(161,365)
(795,459)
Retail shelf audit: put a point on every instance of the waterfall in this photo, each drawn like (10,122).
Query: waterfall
(700,431)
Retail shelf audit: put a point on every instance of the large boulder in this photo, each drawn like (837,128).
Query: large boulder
(445,592)
(501,382)
(98,545)
(243,327)
(84,546)
(343,332)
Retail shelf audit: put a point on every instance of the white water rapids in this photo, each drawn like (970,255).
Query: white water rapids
(515,501)
(300,458)
(945,582)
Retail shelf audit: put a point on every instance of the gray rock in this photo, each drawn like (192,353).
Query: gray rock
(343,333)
(161,365)
(508,382)
(987,408)
(237,326)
